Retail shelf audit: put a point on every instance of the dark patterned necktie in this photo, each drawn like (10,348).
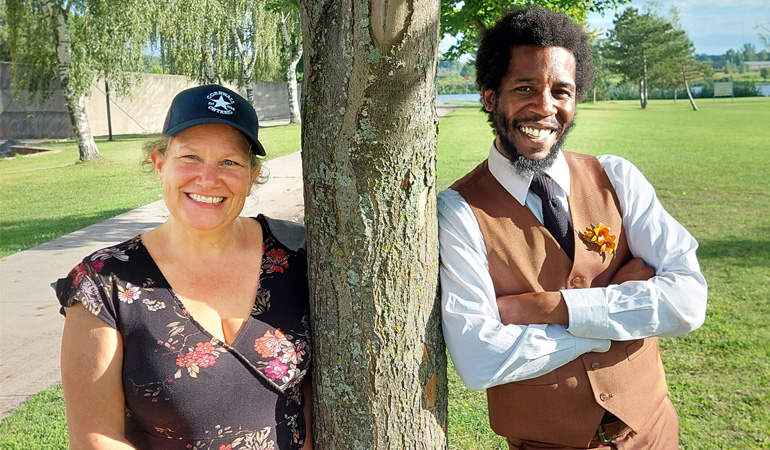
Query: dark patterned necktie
(555,217)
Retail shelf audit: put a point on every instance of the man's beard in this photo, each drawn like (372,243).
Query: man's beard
(522,165)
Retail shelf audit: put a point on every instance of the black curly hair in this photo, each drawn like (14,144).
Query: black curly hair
(532,26)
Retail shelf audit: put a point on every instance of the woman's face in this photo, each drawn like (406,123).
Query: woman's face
(206,176)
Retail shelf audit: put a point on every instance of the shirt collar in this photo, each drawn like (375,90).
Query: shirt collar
(517,185)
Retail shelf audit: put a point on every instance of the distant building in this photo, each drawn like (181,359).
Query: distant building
(757,65)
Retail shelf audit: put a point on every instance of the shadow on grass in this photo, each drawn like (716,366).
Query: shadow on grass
(18,235)
(745,253)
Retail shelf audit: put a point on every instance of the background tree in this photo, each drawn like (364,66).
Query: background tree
(636,44)
(214,41)
(5,54)
(74,43)
(369,158)
(466,19)
(291,37)
(764,73)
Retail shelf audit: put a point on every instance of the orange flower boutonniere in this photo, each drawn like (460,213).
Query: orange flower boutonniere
(600,235)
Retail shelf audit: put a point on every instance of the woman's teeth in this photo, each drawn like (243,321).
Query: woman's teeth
(203,199)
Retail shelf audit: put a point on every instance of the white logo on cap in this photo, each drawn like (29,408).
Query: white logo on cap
(221,102)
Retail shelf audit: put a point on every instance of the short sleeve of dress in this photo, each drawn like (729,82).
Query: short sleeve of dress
(85,285)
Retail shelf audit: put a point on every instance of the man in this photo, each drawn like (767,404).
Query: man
(560,270)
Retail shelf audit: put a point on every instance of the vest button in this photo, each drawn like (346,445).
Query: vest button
(595,365)
(604,396)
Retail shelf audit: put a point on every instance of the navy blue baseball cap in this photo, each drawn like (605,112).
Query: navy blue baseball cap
(213,104)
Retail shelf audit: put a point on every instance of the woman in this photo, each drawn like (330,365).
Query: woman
(176,339)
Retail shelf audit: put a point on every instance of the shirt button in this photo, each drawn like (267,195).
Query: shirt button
(637,333)
(595,365)
(576,281)
(588,332)
(604,396)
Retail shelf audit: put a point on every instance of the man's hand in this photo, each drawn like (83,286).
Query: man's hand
(634,270)
(532,308)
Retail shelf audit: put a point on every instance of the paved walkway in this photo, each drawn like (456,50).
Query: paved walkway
(30,323)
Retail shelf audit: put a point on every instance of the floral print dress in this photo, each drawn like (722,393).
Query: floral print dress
(184,388)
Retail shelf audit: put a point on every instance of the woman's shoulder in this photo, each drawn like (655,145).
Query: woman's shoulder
(290,234)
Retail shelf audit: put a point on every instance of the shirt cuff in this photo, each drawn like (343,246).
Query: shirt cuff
(588,312)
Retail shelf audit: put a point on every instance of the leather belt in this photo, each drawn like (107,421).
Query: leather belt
(608,432)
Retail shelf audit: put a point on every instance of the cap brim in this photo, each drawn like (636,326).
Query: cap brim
(256,146)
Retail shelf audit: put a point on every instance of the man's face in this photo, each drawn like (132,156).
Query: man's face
(534,107)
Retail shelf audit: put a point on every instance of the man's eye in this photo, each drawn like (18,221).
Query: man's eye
(524,88)
(229,162)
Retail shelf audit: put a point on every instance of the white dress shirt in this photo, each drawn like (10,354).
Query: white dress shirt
(487,353)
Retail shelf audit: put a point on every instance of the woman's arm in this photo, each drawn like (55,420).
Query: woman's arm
(307,393)
(91,365)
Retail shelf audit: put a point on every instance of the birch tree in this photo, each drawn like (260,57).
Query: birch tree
(288,12)
(369,162)
(219,40)
(69,44)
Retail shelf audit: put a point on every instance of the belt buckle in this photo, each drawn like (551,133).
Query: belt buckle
(602,437)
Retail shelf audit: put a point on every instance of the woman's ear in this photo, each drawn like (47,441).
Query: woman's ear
(157,162)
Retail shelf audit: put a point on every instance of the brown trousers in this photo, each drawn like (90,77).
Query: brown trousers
(660,433)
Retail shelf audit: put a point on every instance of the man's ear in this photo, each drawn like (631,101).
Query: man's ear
(488,97)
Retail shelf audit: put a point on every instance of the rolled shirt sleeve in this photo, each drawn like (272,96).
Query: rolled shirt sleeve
(671,303)
(484,351)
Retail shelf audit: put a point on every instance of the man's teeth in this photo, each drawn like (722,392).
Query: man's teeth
(536,132)
(202,199)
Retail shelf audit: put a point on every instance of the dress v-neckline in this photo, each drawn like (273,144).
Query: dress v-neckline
(187,313)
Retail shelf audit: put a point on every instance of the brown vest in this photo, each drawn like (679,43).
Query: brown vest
(564,406)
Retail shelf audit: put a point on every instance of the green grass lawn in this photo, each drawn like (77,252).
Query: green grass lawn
(711,171)
(46,196)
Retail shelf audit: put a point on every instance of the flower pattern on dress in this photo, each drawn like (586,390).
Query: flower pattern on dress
(204,355)
(286,357)
(129,293)
(275,260)
(107,253)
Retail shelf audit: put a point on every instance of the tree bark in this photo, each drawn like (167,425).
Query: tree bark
(291,73)
(76,105)
(687,88)
(247,61)
(643,84)
(369,158)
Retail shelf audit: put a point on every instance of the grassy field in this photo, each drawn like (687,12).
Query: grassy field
(711,171)
(48,195)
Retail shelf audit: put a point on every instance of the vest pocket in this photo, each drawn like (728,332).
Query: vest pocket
(635,348)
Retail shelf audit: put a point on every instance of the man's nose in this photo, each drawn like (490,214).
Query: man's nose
(544,104)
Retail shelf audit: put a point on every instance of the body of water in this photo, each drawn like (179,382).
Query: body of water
(476,97)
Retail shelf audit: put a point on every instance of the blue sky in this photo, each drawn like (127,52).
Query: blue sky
(714,26)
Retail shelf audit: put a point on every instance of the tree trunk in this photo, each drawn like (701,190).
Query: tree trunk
(291,73)
(75,101)
(248,64)
(291,87)
(643,85)
(369,164)
(687,88)
(209,72)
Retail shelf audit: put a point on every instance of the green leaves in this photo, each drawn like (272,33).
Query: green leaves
(466,19)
